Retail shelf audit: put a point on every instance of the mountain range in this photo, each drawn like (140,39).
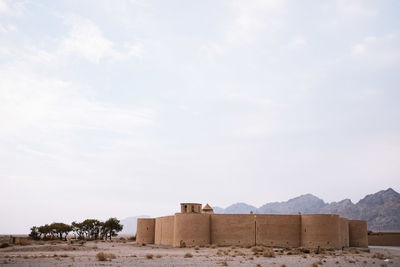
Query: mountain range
(381,210)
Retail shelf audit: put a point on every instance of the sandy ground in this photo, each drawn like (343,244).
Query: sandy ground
(130,254)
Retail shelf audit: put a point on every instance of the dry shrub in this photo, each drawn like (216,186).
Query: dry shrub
(378,255)
(223,263)
(314,264)
(304,256)
(4,245)
(64,256)
(188,255)
(233,255)
(158,256)
(149,256)
(101,256)
(283,265)
(354,251)
(213,246)
(383,265)
(196,247)
(269,253)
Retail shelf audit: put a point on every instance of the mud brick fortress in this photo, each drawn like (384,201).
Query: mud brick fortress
(196,226)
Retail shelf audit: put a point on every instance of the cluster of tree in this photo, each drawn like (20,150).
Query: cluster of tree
(88,229)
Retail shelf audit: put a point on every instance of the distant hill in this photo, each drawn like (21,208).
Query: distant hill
(239,208)
(130,224)
(381,210)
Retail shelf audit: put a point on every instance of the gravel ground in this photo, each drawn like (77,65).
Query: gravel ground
(130,254)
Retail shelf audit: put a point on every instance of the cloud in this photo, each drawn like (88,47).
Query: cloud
(3,6)
(356,8)
(32,101)
(377,51)
(298,41)
(86,40)
(254,17)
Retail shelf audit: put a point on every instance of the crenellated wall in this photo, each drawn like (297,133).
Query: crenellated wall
(278,230)
(233,229)
(194,229)
(384,239)
(145,231)
(344,232)
(320,230)
(358,233)
(191,229)
(164,230)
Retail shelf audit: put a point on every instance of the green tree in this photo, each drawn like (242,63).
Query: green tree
(112,226)
(78,229)
(60,229)
(35,235)
(92,228)
(44,231)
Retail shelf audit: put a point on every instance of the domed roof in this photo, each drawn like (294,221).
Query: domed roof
(207,207)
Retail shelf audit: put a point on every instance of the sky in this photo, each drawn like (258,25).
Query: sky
(130,107)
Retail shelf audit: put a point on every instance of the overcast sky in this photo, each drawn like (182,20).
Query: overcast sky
(123,108)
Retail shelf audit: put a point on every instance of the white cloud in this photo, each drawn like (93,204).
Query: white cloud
(3,6)
(377,51)
(86,40)
(38,102)
(355,8)
(252,21)
(298,41)
(253,18)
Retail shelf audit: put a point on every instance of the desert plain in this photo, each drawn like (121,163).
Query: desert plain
(123,252)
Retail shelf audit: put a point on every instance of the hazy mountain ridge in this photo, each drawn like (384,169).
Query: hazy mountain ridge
(381,210)
(130,224)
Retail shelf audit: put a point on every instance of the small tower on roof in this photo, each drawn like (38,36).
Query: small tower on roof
(207,209)
(190,208)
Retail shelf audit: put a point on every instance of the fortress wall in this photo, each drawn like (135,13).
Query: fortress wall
(145,231)
(344,232)
(358,234)
(232,229)
(164,230)
(278,230)
(191,229)
(384,239)
(320,230)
